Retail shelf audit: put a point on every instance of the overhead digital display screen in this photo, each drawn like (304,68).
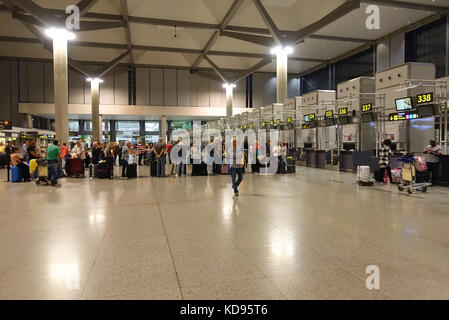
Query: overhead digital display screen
(367,107)
(289,119)
(342,111)
(404,104)
(426,111)
(424,98)
(329,113)
(343,120)
(278,121)
(309,117)
(368,117)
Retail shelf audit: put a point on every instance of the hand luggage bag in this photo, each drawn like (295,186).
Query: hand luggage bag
(224,169)
(379,174)
(15,174)
(131,171)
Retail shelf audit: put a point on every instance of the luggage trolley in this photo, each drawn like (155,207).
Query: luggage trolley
(42,172)
(408,177)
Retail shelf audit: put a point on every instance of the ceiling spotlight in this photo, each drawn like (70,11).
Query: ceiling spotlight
(59,33)
(97,80)
(278,49)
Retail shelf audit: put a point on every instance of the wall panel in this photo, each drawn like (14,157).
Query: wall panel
(23,81)
(49,83)
(239,94)
(170,87)
(183,87)
(107,89)
(157,87)
(143,86)
(121,91)
(258,89)
(5,91)
(203,92)
(76,86)
(217,94)
(269,96)
(292,87)
(36,81)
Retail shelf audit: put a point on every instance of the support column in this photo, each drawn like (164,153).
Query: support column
(229,100)
(95,101)
(100,127)
(281,75)
(164,128)
(29,121)
(61,87)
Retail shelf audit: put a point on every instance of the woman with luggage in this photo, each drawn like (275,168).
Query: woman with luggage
(384,159)
(109,158)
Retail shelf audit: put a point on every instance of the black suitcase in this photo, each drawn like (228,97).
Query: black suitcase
(131,171)
(103,171)
(153,167)
(379,174)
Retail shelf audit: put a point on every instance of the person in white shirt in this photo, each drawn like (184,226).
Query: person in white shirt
(432,152)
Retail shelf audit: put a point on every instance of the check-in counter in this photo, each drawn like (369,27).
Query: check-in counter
(350,160)
(443,178)
(310,158)
(317,158)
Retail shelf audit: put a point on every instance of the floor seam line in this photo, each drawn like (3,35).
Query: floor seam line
(168,242)
(95,261)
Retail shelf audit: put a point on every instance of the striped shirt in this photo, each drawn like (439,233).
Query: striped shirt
(140,148)
(384,156)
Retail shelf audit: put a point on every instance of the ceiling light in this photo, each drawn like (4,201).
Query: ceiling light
(59,33)
(229,85)
(97,80)
(278,49)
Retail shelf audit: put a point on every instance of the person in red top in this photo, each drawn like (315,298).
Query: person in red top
(64,152)
(140,151)
(169,146)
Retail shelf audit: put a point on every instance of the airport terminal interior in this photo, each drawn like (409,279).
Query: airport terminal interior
(224,149)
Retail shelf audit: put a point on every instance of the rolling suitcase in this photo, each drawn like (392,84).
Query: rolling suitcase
(76,166)
(131,171)
(103,171)
(15,174)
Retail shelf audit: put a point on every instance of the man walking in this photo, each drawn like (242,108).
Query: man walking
(237,163)
(54,161)
(433,151)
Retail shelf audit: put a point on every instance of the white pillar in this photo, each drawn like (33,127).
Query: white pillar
(29,121)
(61,88)
(95,100)
(229,100)
(164,128)
(281,75)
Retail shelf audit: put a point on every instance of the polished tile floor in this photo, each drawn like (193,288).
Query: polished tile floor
(304,236)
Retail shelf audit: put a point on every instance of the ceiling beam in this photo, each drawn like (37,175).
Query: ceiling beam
(160,49)
(274,31)
(253,69)
(109,66)
(208,75)
(260,40)
(41,14)
(124,5)
(334,15)
(406,5)
(100,25)
(224,23)
(85,5)
(195,25)
(217,69)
